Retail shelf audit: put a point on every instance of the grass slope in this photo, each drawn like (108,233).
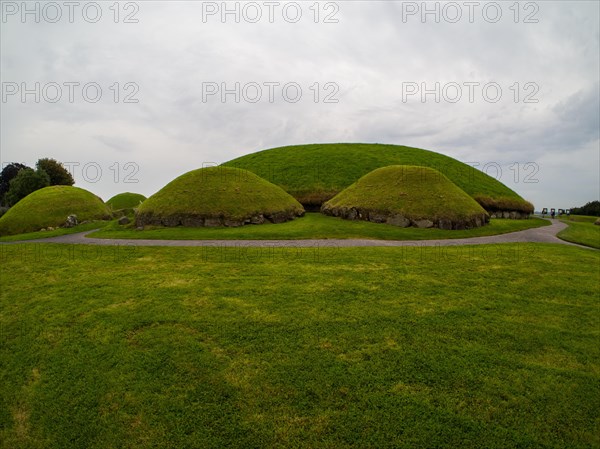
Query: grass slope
(483,346)
(125,200)
(50,206)
(316,226)
(410,191)
(315,173)
(219,192)
(581,230)
(579,218)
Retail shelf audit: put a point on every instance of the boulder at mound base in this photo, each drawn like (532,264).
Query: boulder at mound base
(404,195)
(218,196)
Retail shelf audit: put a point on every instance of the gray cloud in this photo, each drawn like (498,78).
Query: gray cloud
(369,54)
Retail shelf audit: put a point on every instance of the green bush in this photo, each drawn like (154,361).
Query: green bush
(592,208)
(58,174)
(25,182)
(9,171)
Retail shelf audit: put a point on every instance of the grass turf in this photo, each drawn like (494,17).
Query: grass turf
(581,230)
(50,206)
(579,218)
(482,346)
(316,226)
(315,173)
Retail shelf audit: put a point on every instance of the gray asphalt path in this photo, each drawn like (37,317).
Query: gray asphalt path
(546,234)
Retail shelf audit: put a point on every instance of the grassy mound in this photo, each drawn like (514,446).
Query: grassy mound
(50,206)
(125,200)
(316,173)
(405,195)
(218,196)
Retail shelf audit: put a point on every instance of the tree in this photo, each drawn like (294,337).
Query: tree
(26,182)
(59,175)
(592,208)
(8,173)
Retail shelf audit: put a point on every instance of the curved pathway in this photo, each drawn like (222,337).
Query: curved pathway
(545,234)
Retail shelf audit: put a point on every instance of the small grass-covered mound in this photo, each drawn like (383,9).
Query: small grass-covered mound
(218,196)
(125,200)
(405,195)
(316,173)
(50,207)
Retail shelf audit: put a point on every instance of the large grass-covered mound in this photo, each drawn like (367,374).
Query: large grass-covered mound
(404,195)
(218,196)
(51,206)
(316,173)
(125,200)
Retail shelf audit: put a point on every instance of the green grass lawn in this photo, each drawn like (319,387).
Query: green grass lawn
(470,347)
(583,218)
(581,230)
(316,226)
(60,231)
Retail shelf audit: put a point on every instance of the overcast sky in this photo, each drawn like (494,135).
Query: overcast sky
(518,86)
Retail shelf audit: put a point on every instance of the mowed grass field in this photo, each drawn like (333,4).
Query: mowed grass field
(581,230)
(125,347)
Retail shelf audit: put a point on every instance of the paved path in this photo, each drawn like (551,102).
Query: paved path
(545,234)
